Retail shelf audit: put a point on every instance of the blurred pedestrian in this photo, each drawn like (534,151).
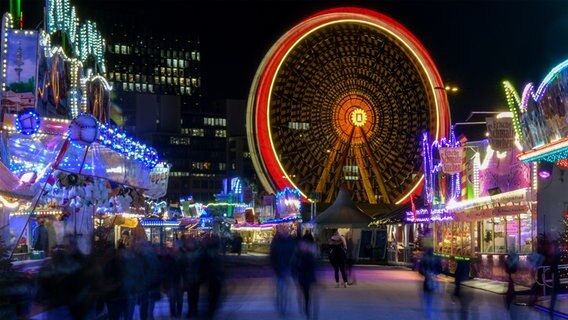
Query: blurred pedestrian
(237,243)
(171,279)
(305,271)
(190,256)
(464,298)
(461,274)
(213,278)
(282,249)
(150,292)
(338,257)
(350,258)
(554,270)
(511,266)
(429,268)
(535,260)
(41,237)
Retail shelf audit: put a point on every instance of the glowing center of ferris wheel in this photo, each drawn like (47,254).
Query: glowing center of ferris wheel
(358,117)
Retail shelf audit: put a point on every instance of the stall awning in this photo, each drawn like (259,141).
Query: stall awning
(395,216)
(343,213)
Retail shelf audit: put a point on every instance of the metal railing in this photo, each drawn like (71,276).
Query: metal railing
(545,278)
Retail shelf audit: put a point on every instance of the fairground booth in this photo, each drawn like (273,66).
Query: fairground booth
(65,163)
(257,228)
(480,201)
(541,123)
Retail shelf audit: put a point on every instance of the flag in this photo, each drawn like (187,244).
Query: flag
(413,207)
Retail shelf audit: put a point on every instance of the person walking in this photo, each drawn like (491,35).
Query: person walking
(555,262)
(511,266)
(305,271)
(338,256)
(350,258)
(282,249)
(429,267)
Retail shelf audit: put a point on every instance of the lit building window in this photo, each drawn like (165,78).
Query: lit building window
(200,132)
(298,125)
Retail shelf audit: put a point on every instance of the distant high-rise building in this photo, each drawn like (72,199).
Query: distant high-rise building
(239,162)
(157,97)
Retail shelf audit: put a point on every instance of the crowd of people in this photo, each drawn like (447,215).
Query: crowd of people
(114,280)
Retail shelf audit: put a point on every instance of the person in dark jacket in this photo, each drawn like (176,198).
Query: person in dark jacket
(429,268)
(282,249)
(172,281)
(305,270)
(338,257)
(40,236)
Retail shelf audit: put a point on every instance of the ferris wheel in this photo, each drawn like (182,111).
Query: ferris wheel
(345,96)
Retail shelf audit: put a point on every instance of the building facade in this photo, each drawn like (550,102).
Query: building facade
(157,80)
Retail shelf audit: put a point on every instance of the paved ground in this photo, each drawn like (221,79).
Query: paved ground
(380,293)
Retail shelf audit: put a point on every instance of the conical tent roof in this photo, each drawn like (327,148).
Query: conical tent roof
(343,213)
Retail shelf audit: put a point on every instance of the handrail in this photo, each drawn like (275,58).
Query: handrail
(544,272)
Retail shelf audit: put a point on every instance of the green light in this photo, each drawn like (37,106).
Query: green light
(514,103)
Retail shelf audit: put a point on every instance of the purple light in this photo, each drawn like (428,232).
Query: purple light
(544,174)
(545,169)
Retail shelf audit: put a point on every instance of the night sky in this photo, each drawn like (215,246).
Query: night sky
(475,44)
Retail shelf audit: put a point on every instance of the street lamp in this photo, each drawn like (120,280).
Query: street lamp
(449,89)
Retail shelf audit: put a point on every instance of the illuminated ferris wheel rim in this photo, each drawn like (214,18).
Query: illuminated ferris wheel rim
(259,134)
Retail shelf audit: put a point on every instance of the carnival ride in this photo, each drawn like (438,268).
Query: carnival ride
(344,97)
(58,144)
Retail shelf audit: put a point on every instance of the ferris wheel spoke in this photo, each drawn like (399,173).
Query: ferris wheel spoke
(364,175)
(376,172)
(327,167)
(339,167)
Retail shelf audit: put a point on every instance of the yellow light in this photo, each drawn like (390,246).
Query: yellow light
(358,117)
(8,204)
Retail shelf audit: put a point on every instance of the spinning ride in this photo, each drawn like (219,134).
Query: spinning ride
(344,97)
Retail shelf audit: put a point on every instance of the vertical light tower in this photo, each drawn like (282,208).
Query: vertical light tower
(16,13)
(19,62)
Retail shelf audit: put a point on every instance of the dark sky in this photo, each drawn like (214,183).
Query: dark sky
(475,44)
